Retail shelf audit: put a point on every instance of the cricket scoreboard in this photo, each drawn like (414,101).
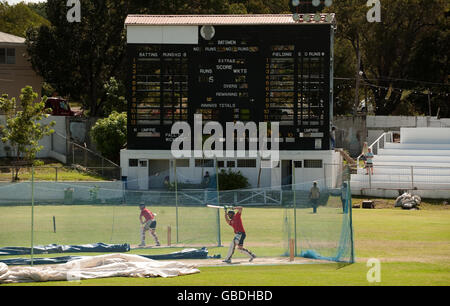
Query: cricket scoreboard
(270,73)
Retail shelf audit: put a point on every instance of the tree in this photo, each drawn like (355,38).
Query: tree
(40,8)
(387,49)
(24,129)
(115,96)
(78,58)
(110,135)
(17,19)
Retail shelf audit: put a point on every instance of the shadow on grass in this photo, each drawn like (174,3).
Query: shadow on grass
(341,265)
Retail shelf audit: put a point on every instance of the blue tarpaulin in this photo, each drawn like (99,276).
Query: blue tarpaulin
(184,254)
(54,248)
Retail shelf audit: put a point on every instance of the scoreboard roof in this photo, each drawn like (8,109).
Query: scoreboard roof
(259,19)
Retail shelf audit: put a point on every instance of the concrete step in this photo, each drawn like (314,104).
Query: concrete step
(357,185)
(406,170)
(425,135)
(413,152)
(401,178)
(411,158)
(416,146)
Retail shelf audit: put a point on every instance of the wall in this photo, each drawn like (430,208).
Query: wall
(377,125)
(67,129)
(53,145)
(352,132)
(45,192)
(14,77)
(331,170)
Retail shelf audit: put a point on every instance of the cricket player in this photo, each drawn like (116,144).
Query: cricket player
(148,222)
(235,221)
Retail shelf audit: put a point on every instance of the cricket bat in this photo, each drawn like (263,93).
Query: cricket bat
(218,206)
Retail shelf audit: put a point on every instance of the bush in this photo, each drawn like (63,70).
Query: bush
(229,180)
(110,135)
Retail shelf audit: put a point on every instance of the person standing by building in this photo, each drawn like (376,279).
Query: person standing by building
(314,195)
(333,137)
(235,221)
(148,222)
(206,180)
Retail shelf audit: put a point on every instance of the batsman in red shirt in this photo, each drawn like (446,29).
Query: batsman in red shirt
(235,221)
(148,222)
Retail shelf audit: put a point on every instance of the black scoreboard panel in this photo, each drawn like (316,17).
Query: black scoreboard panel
(244,73)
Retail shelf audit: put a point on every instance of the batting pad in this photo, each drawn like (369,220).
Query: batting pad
(102,266)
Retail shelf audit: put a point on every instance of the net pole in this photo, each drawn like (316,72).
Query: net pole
(32,215)
(350,212)
(219,239)
(295,210)
(176,196)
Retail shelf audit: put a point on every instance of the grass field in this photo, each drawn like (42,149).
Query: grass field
(51,170)
(413,246)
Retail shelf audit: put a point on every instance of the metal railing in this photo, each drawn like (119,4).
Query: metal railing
(377,145)
(81,157)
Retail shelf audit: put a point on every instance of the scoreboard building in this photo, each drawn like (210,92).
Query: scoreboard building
(229,68)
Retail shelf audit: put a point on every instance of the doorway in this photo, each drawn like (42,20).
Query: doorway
(286,174)
(158,173)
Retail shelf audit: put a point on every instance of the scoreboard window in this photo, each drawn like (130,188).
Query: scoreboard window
(175,90)
(280,89)
(147,98)
(311,84)
(160,94)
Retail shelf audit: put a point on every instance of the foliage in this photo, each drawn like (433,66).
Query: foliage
(78,58)
(47,90)
(24,129)
(110,135)
(405,51)
(17,19)
(39,7)
(115,96)
(230,180)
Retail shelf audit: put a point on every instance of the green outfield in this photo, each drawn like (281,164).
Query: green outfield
(413,246)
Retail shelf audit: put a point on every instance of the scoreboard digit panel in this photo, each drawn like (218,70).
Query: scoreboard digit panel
(243,73)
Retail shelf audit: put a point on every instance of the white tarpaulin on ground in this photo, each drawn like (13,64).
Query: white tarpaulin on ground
(111,265)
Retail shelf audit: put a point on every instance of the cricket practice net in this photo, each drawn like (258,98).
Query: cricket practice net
(278,220)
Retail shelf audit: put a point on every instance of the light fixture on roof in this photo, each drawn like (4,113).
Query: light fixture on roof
(295,2)
(317,17)
(296,17)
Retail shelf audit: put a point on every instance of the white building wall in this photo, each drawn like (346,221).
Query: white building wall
(53,146)
(162,34)
(331,169)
